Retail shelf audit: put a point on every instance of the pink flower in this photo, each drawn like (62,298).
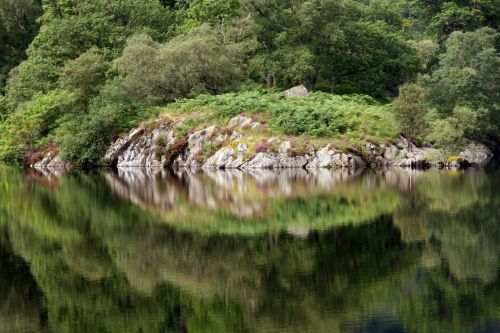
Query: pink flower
(260,148)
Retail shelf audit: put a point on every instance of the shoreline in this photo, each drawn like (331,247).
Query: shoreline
(158,145)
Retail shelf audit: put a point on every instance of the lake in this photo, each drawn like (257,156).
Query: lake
(297,251)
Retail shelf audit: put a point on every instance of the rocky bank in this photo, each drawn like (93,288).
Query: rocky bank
(213,148)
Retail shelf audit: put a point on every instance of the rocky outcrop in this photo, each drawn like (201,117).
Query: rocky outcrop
(214,148)
(51,161)
(243,122)
(227,158)
(121,145)
(331,158)
(191,158)
(142,147)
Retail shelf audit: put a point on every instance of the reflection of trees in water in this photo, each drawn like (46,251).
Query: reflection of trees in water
(459,215)
(21,303)
(104,265)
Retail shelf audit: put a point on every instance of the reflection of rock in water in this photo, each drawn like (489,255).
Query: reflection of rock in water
(243,192)
(146,187)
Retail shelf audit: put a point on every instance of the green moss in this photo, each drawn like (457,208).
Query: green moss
(452,159)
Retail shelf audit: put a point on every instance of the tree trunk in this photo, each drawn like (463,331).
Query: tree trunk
(334,83)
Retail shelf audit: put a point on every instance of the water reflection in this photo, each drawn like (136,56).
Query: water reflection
(152,251)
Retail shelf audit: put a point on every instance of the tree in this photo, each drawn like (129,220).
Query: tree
(330,45)
(452,134)
(468,73)
(18,26)
(184,67)
(85,75)
(410,110)
(469,76)
(71,28)
(438,19)
(218,13)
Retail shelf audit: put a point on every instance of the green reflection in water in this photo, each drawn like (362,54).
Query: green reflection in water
(144,251)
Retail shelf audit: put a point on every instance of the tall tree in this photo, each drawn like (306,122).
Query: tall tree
(70,28)
(18,26)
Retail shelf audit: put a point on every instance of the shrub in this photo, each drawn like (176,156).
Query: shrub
(84,139)
(410,111)
(33,121)
(170,153)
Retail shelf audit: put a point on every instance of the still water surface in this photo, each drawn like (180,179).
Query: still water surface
(297,251)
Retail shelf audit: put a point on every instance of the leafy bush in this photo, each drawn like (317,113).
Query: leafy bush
(33,121)
(84,139)
(410,110)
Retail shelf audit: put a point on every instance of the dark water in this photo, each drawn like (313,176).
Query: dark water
(138,251)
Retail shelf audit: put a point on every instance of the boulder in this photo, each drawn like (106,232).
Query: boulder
(196,141)
(476,154)
(298,91)
(280,160)
(391,152)
(227,158)
(243,122)
(328,157)
(52,161)
(120,146)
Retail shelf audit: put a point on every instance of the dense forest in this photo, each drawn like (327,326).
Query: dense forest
(76,74)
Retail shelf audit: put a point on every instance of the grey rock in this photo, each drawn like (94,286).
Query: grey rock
(328,157)
(280,160)
(391,152)
(297,91)
(371,148)
(196,141)
(227,158)
(52,161)
(477,154)
(120,145)
(243,122)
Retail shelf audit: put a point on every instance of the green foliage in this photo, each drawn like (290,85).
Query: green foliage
(3,107)
(18,26)
(84,75)
(71,28)
(410,110)
(465,88)
(331,45)
(452,133)
(317,114)
(85,138)
(118,53)
(438,19)
(184,67)
(34,121)
(194,13)
(468,73)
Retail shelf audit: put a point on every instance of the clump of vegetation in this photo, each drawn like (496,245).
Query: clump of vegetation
(184,67)
(410,110)
(170,153)
(316,115)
